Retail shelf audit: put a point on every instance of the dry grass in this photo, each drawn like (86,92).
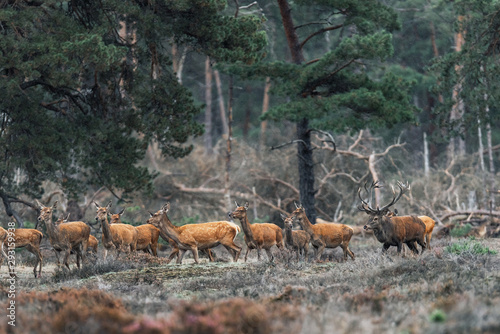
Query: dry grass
(439,291)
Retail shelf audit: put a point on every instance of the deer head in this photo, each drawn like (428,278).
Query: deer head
(240,212)
(378,214)
(155,218)
(62,219)
(102,211)
(46,211)
(298,214)
(287,221)
(115,218)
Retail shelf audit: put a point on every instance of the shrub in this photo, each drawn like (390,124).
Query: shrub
(438,315)
(470,245)
(461,231)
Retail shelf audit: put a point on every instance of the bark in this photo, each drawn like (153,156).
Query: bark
(305,165)
(207,137)
(227,194)
(220,100)
(265,108)
(426,155)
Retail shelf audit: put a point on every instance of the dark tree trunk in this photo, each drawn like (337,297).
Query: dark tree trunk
(306,165)
(306,169)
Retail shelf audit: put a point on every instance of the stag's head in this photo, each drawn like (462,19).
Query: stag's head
(377,215)
(115,218)
(46,211)
(155,218)
(240,212)
(287,221)
(102,211)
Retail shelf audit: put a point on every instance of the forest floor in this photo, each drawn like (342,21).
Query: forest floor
(455,287)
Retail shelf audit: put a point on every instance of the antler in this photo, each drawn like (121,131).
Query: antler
(365,206)
(402,188)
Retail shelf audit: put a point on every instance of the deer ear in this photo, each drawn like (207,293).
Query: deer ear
(67,217)
(167,207)
(395,212)
(151,214)
(96,205)
(283,216)
(237,205)
(109,205)
(121,212)
(246,206)
(40,206)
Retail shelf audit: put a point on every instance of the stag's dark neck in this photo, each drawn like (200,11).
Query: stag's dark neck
(386,228)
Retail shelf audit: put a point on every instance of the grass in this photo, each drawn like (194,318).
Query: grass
(438,291)
(470,245)
(461,231)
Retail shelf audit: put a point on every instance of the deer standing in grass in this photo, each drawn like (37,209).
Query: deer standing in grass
(195,237)
(396,230)
(429,226)
(24,237)
(122,237)
(258,236)
(65,237)
(324,235)
(147,235)
(296,240)
(92,243)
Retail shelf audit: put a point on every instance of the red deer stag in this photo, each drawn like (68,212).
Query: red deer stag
(296,240)
(396,230)
(196,237)
(324,235)
(429,226)
(122,237)
(147,237)
(258,236)
(66,237)
(23,237)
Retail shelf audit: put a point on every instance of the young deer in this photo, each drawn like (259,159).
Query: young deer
(122,237)
(296,240)
(396,230)
(24,237)
(324,235)
(258,236)
(65,237)
(147,235)
(196,237)
(92,243)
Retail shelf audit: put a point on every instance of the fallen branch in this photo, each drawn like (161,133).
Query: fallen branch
(469,213)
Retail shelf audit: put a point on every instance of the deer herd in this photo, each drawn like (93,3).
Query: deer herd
(74,237)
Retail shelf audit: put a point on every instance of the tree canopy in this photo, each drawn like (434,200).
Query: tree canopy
(86,86)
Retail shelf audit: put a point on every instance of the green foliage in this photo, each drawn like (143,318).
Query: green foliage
(81,100)
(461,231)
(470,245)
(437,315)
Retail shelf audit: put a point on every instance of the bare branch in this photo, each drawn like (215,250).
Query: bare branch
(322,30)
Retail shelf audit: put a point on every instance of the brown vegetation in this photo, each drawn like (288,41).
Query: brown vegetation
(65,237)
(122,237)
(196,237)
(325,235)
(258,236)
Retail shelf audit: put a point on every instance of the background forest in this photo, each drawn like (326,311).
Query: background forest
(207,102)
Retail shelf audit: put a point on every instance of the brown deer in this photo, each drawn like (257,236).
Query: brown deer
(258,236)
(395,230)
(23,237)
(92,243)
(122,237)
(65,237)
(196,237)
(429,226)
(147,237)
(324,235)
(296,240)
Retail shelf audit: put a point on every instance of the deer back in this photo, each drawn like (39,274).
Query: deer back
(206,235)
(429,223)
(123,234)
(27,236)
(267,234)
(147,234)
(333,234)
(408,227)
(74,232)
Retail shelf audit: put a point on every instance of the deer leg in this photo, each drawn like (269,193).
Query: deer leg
(57,257)
(154,247)
(194,250)
(210,255)
(175,252)
(269,254)
(351,254)
(320,249)
(385,247)
(422,243)
(428,237)
(105,253)
(181,255)
(412,247)
(246,253)
(66,258)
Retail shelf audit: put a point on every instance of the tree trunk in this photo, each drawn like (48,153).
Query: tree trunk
(306,165)
(426,155)
(265,108)
(457,144)
(227,194)
(207,137)
(220,100)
